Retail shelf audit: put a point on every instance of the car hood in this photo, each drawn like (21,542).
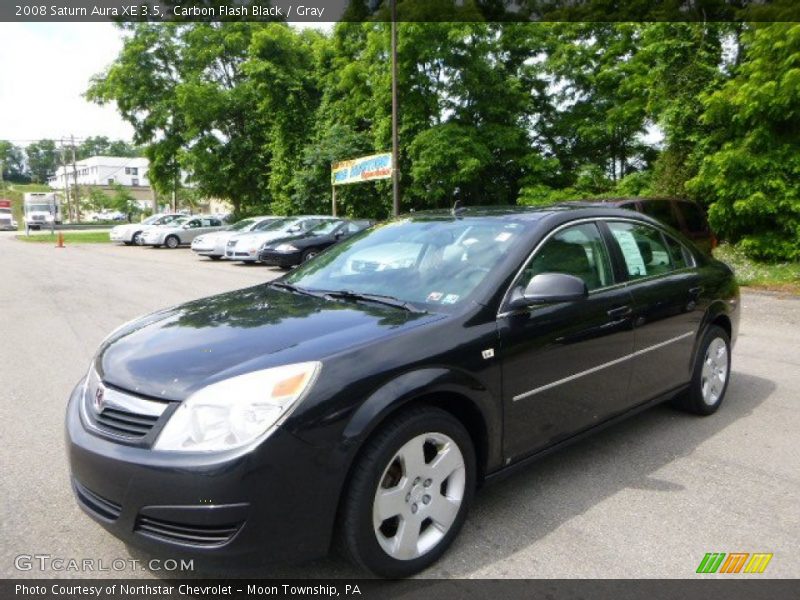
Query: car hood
(172,353)
(216,237)
(302,239)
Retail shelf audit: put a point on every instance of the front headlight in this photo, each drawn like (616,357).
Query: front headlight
(233,412)
(286,248)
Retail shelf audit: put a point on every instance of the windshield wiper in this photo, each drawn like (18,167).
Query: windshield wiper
(294,288)
(376,298)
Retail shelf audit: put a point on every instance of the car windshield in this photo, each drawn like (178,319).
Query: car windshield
(271,225)
(325,227)
(243,224)
(152,220)
(39,207)
(432,262)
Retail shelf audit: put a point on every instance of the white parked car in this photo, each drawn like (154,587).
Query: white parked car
(182,232)
(130,233)
(245,246)
(213,245)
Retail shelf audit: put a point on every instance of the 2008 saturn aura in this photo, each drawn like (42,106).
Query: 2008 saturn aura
(365,395)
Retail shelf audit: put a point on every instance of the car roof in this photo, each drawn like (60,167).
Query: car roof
(533,216)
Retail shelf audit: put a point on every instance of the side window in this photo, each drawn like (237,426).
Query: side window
(661,210)
(194,223)
(694,217)
(353,228)
(642,248)
(216,223)
(578,251)
(680,254)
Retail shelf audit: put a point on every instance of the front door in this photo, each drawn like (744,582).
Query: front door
(565,364)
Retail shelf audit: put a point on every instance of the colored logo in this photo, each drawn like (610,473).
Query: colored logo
(734,562)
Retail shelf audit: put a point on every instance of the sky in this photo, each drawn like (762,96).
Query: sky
(44,70)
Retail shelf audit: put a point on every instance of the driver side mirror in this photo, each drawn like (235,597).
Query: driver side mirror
(548,288)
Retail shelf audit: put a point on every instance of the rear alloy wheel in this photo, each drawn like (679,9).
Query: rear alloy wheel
(711,374)
(172,242)
(409,493)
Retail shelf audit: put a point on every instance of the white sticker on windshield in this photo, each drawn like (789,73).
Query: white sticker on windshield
(450,299)
(435,296)
(631,252)
(502,237)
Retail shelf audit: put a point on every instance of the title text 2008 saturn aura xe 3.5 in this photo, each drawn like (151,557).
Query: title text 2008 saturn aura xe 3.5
(365,395)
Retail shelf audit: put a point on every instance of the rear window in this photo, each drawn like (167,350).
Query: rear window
(661,210)
(694,217)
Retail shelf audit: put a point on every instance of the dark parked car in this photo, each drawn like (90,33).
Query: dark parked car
(684,215)
(292,251)
(370,391)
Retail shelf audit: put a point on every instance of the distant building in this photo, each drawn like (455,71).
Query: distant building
(103,171)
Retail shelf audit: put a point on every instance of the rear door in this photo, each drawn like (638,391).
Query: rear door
(665,288)
(564,366)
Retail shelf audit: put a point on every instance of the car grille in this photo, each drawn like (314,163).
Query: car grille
(121,422)
(38,217)
(102,507)
(198,535)
(5,222)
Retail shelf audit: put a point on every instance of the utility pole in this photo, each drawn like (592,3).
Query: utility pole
(66,182)
(395,154)
(76,194)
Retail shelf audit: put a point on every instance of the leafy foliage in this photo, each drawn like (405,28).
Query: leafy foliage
(495,113)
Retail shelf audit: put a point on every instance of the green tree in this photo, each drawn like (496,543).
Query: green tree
(123,201)
(13,163)
(42,160)
(750,173)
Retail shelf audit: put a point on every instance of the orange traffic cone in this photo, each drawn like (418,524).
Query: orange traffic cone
(60,240)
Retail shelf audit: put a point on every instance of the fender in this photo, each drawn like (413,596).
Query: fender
(412,385)
(716,308)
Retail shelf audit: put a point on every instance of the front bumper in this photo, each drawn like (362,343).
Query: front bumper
(280,259)
(276,502)
(246,256)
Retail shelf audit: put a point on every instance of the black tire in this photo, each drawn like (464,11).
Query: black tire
(135,239)
(172,242)
(309,254)
(214,257)
(697,399)
(357,536)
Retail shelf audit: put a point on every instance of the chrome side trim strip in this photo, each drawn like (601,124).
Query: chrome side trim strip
(611,363)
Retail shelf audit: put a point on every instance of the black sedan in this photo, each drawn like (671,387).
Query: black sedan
(369,392)
(292,251)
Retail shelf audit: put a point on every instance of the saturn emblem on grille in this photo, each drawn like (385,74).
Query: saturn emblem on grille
(99,399)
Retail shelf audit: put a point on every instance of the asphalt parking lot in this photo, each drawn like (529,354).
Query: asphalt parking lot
(646,498)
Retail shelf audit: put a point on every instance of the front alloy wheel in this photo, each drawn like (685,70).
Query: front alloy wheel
(419,496)
(409,493)
(172,242)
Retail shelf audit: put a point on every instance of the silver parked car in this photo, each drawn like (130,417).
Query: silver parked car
(130,233)
(181,233)
(245,246)
(213,245)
